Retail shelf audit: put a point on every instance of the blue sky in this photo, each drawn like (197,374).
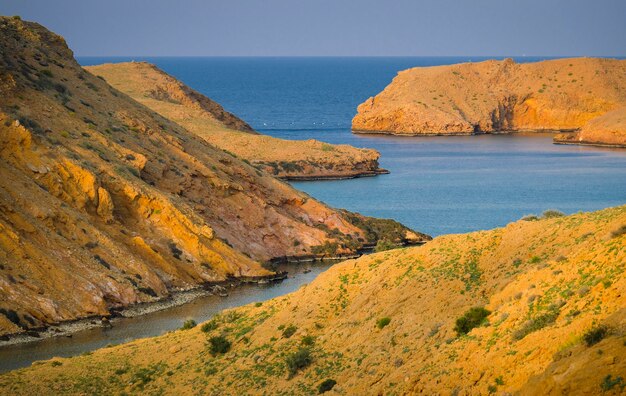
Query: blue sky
(332,27)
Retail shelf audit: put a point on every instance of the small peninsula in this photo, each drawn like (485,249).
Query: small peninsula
(584,98)
(286,159)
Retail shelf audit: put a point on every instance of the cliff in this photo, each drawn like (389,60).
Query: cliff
(309,159)
(104,203)
(496,96)
(552,321)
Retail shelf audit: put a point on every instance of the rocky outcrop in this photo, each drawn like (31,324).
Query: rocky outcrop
(553,321)
(501,96)
(287,159)
(104,203)
(606,130)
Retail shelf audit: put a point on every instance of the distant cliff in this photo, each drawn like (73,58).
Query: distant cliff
(499,96)
(289,159)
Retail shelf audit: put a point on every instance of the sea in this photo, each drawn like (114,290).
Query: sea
(436,185)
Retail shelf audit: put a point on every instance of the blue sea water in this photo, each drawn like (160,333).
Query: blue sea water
(437,185)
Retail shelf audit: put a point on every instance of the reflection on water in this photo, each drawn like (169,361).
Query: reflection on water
(153,324)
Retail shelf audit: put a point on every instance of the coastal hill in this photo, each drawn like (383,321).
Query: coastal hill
(309,159)
(499,96)
(535,307)
(104,203)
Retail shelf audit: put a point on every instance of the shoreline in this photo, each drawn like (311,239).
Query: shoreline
(376,172)
(174,299)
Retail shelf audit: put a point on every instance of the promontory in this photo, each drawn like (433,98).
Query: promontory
(584,98)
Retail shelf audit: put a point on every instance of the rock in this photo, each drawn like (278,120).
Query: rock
(494,96)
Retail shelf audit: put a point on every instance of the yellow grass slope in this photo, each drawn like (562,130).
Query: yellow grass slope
(493,96)
(293,159)
(384,324)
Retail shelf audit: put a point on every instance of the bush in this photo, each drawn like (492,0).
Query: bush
(289,331)
(219,344)
(609,383)
(537,323)
(383,245)
(189,324)
(552,213)
(530,217)
(308,340)
(595,335)
(382,322)
(298,360)
(474,317)
(326,385)
(209,326)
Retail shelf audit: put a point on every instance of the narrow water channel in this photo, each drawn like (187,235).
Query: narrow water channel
(156,323)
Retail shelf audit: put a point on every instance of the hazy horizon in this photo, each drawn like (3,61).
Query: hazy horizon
(325,28)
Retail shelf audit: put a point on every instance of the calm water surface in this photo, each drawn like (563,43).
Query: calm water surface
(437,184)
(156,323)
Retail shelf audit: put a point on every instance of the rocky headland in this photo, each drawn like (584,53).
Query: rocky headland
(287,159)
(105,204)
(584,98)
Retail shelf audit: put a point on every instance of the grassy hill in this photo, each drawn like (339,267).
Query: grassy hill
(536,307)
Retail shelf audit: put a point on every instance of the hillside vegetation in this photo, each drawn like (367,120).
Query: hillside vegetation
(536,307)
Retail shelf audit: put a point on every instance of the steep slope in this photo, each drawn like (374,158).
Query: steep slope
(385,324)
(104,203)
(493,96)
(309,159)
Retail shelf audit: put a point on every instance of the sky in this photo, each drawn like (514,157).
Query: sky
(332,27)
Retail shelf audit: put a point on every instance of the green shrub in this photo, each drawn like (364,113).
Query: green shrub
(289,331)
(326,386)
(530,217)
(537,323)
(327,147)
(595,335)
(209,326)
(298,360)
(308,340)
(219,344)
(472,318)
(189,324)
(608,383)
(552,213)
(383,245)
(382,322)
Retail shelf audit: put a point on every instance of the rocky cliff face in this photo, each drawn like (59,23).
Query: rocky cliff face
(104,203)
(494,96)
(390,323)
(310,159)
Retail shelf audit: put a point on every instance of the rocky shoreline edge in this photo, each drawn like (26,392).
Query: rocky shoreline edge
(174,299)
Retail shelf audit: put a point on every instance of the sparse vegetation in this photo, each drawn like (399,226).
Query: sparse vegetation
(537,323)
(289,331)
(382,322)
(188,324)
(298,360)
(209,326)
(609,382)
(326,386)
(618,231)
(595,335)
(474,317)
(219,345)
(552,213)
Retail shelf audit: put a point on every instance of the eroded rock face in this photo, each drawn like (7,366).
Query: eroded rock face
(494,96)
(104,203)
(303,160)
